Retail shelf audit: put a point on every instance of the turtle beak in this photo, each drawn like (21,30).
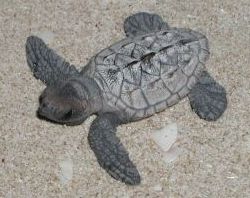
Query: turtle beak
(65,115)
(43,110)
(54,112)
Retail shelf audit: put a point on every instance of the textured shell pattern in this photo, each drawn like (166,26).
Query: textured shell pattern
(145,74)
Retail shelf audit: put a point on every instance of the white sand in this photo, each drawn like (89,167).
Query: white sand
(216,161)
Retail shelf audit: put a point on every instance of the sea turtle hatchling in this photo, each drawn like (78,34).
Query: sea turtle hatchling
(153,68)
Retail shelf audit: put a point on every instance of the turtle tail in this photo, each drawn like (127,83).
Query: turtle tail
(143,23)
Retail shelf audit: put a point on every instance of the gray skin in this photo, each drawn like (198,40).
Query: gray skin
(153,68)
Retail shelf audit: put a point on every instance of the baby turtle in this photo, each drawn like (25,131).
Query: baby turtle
(153,68)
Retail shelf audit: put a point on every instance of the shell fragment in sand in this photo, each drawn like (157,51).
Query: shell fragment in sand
(172,154)
(166,136)
(66,171)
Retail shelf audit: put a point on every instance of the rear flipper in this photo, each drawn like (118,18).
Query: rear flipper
(208,98)
(45,64)
(143,23)
(109,151)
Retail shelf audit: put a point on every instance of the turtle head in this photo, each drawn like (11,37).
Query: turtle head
(67,103)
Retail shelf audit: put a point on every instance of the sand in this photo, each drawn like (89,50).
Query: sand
(215,161)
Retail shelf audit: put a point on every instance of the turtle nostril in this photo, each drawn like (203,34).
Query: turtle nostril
(43,105)
(67,115)
(41,99)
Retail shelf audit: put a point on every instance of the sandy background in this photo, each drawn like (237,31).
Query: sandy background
(215,161)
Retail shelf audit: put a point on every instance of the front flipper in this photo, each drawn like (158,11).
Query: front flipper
(46,64)
(109,151)
(208,98)
(143,23)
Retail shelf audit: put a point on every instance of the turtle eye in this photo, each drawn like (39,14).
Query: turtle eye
(67,115)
